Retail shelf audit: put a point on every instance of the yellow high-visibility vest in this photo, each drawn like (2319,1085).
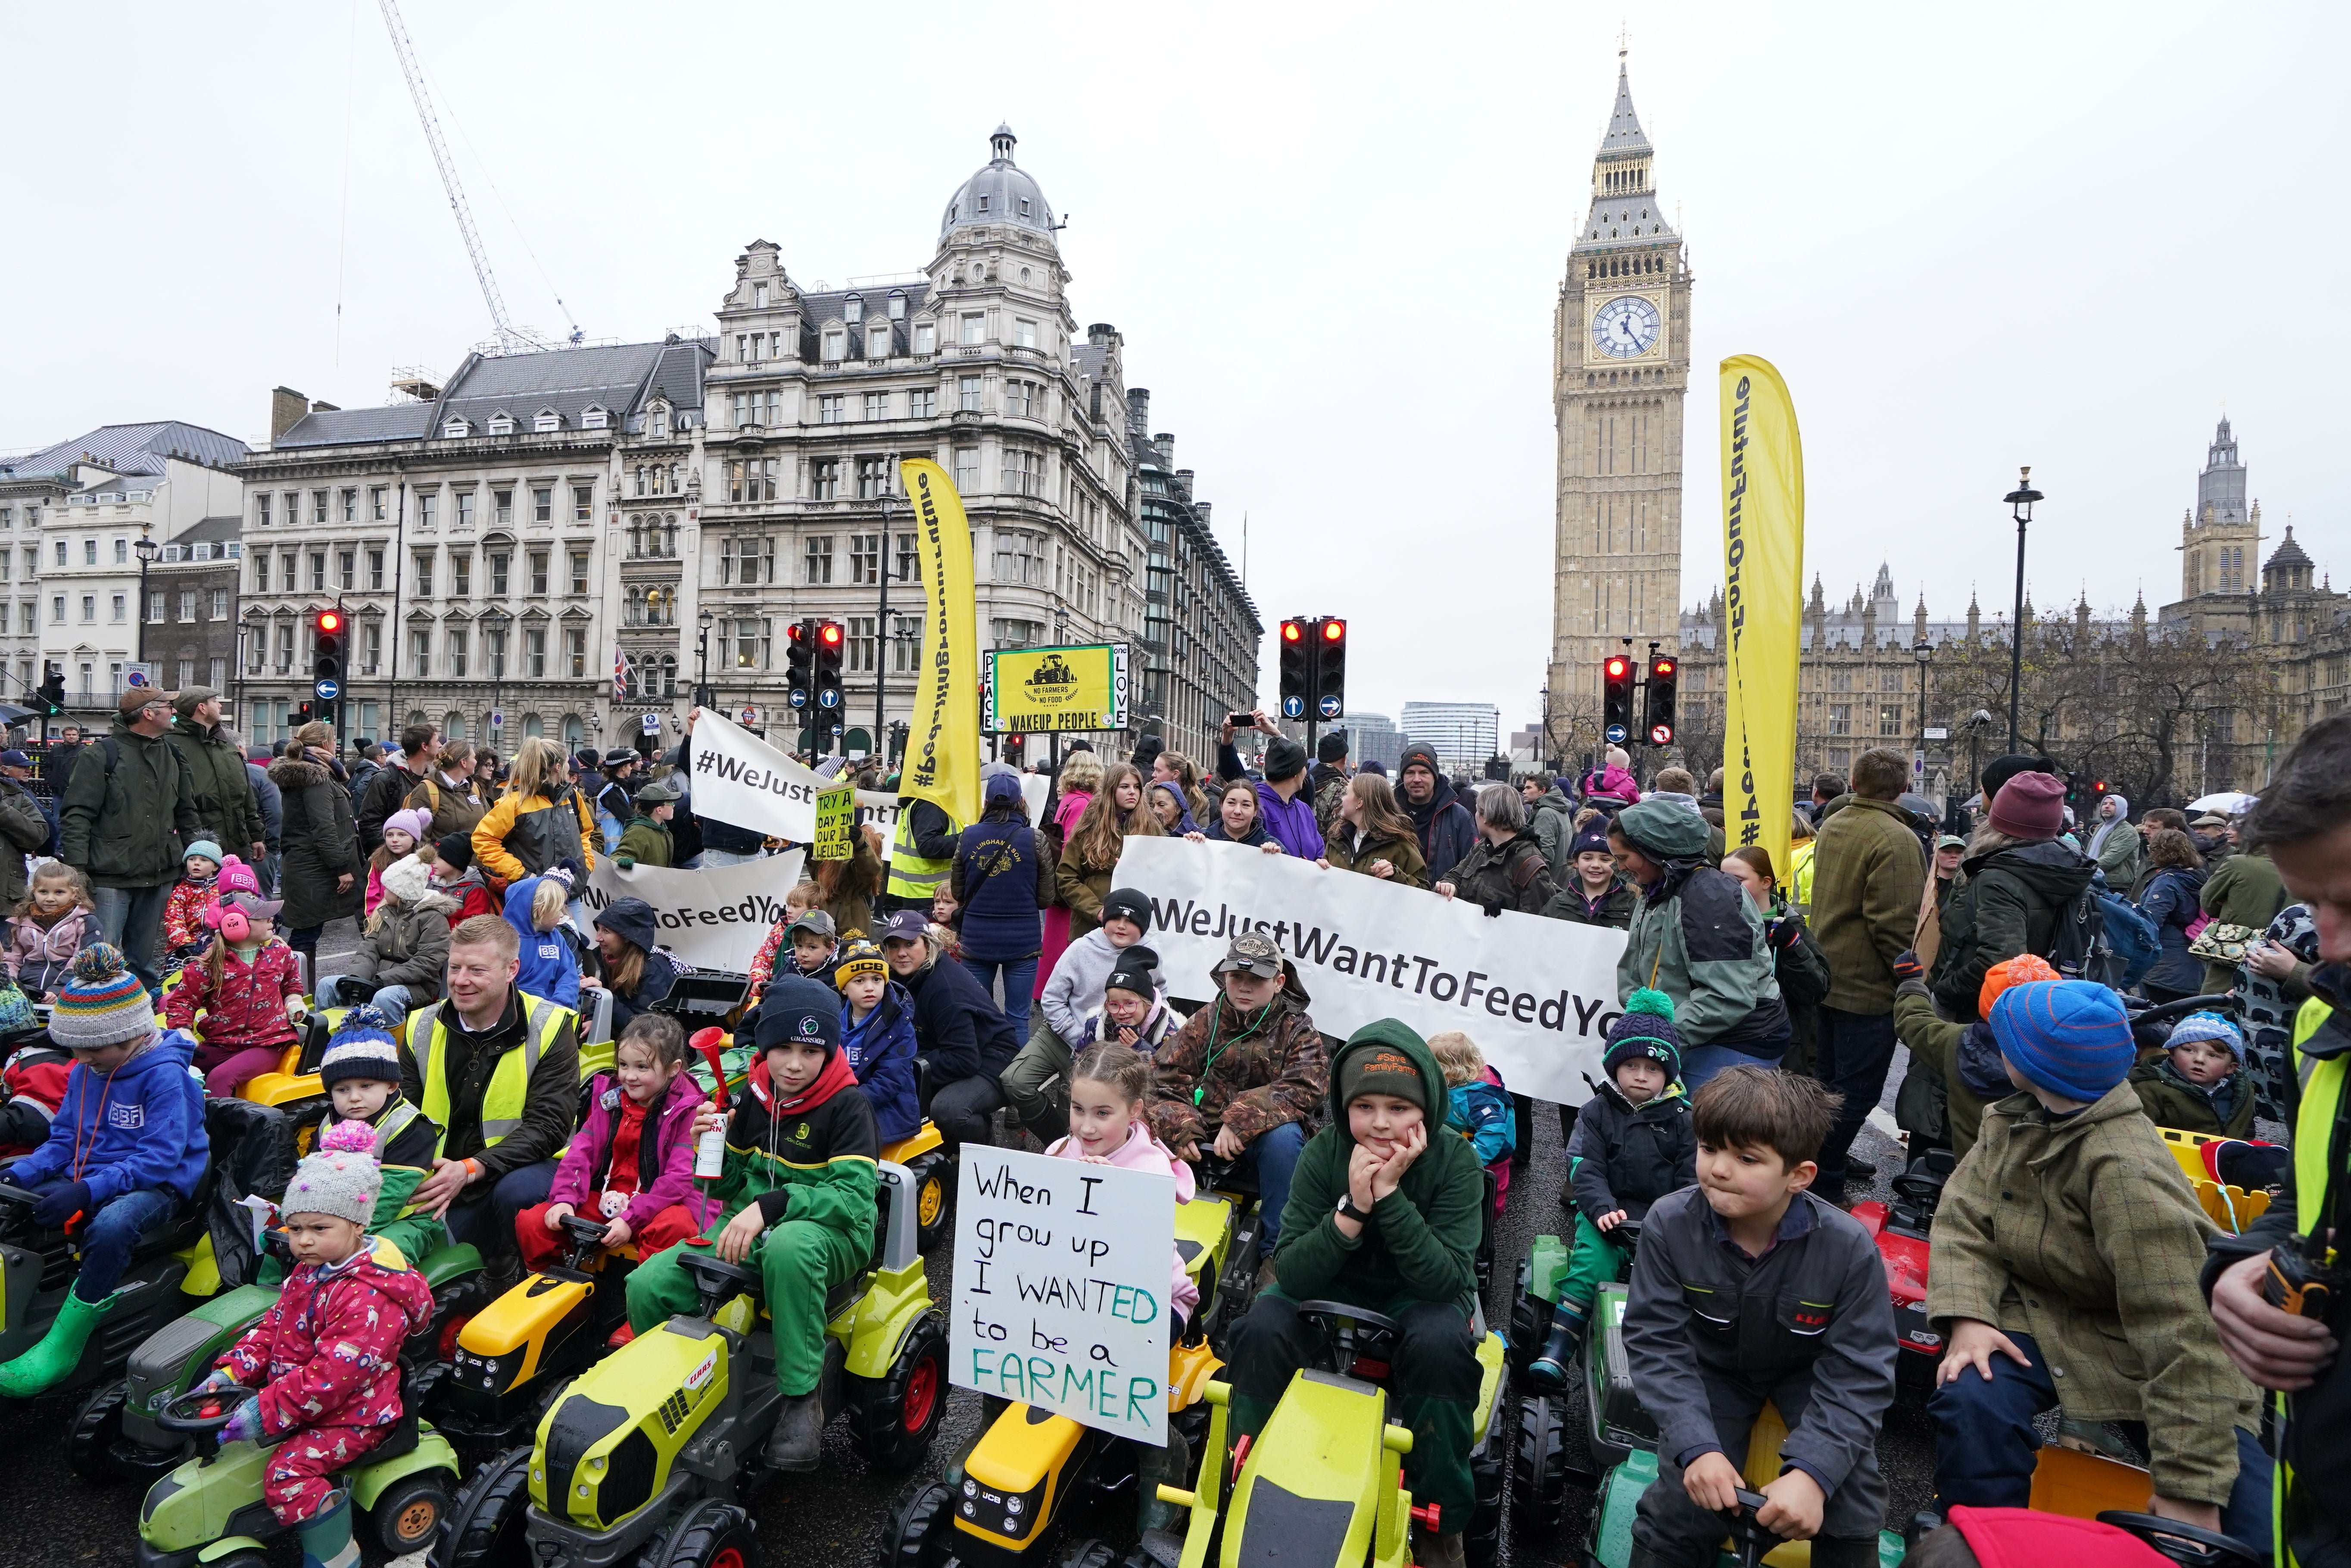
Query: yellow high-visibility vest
(509,1085)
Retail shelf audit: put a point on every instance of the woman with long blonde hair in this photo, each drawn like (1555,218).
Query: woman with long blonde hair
(1116,813)
(539,823)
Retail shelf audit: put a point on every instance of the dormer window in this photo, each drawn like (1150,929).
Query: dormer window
(832,345)
(897,305)
(759,297)
(502,423)
(983,201)
(547,421)
(852,310)
(877,343)
(455,430)
(592,418)
(1024,206)
(659,424)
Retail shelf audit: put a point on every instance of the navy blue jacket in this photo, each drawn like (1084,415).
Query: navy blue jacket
(881,1052)
(997,871)
(960,1029)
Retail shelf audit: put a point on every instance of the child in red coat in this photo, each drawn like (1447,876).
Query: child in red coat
(632,1166)
(326,1355)
(248,988)
(185,935)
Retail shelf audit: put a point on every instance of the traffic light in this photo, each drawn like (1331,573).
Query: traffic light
(301,715)
(799,664)
(327,637)
(52,694)
(830,646)
(1297,668)
(1015,749)
(1659,717)
(1616,696)
(1330,670)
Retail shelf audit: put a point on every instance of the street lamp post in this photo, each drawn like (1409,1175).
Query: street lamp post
(494,629)
(2020,500)
(702,660)
(147,549)
(1924,652)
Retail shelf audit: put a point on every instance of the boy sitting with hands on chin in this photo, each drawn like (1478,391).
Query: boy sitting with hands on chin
(1748,1287)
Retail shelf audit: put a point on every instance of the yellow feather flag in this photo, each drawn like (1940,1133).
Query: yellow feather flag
(1763,603)
(942,762)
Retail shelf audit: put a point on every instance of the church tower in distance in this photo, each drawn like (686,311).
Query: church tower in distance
(1620,367)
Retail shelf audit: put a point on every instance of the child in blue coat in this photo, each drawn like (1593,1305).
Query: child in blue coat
(877,1036)
(550,962)
(1480,1107)
(125,1151)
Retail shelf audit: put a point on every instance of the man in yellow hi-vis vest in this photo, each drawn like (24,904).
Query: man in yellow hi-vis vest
(2305,822)
(499,1071)
(921,856)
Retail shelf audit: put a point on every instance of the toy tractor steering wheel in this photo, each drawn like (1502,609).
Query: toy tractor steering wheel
(584,1236)
(1748,1538)
(716,1279)
(2191,1544)
(1628,1234)
(202,1411)
(1922,1192)
(11,1193)
(1345,1343)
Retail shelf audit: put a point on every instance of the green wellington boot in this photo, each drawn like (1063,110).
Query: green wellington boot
(327,1535)
(47,1364)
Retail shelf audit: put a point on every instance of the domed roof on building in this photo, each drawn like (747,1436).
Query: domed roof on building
(2288,553)
(1000,193)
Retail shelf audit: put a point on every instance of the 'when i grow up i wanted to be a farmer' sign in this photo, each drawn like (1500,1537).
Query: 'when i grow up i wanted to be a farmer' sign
(1061,1288)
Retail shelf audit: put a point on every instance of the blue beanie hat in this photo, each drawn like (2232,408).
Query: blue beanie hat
(1591,840)
(2070,1037)
(2209,1026)
(795,1008)
(362,1047)
(1644,1029)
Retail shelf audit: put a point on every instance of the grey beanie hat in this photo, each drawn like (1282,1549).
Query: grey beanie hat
(341,1179)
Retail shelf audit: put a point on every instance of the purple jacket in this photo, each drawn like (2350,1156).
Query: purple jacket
(1291,825)
(664,1159)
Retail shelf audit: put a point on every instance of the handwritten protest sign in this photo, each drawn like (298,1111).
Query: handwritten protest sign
(1061,1288)
(836,814)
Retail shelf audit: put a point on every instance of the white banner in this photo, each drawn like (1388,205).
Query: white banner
(1061,1273)
(1536,995)
(739,778)
(714,919)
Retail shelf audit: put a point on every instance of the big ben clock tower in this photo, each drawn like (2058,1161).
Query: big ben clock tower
(1620,357)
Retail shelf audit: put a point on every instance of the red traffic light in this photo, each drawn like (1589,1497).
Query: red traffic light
(1616,668)
(1292,631)
(1665,667)
(797,631)
(331,620)
(1332,630)
(832,633)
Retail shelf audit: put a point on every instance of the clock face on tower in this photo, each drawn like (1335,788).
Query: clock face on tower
(1626,328)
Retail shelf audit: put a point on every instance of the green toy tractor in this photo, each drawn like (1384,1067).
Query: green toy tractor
(210,1510)
(642,1457)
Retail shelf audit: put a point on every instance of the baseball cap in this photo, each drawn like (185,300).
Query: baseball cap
(12,758)
(259,909)
(817,921)
(1951,841)
(1252,952)
(658,794)
(905,926)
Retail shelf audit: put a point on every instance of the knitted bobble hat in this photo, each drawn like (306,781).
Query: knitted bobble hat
(2069,1037)
(342,1179)
(103,1003)
(2209,1026)
(859,956)
(362,1048)
(1644,1029)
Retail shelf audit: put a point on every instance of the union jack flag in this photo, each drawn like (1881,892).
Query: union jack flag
(620,674)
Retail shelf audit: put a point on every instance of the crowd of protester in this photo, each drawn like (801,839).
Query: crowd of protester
(998,979)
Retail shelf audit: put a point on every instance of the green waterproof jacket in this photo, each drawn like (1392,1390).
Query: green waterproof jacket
(645,842)
(225,808)
(128,825)
(1421,1240)
(2245,891)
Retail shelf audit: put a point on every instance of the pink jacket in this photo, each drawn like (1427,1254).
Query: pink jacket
(580,1179)
(1141,1151)
(43,959)
(1072,807)
(326,1352)
(1615,783)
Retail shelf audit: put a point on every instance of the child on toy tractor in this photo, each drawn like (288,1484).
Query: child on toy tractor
(1632,1143)
(2201,1083)
(1384,1214)
(326,1355)
(124,1154)
(361,1073)
(2064,1273)
(798,1195)
(1749,1288)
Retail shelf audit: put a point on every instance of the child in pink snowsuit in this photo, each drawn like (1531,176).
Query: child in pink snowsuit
(326,1355)
(1111,1083)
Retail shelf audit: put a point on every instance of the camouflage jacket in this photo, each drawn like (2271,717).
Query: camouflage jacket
(1257,1078)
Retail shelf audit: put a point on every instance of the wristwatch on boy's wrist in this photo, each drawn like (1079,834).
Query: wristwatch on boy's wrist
(1347,1209)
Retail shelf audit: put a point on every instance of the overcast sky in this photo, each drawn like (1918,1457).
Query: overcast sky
(2061,235)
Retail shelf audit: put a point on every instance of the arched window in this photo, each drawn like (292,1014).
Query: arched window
(897,305)
(534,728)
(669,535)
(669,675)
(574,731)
(452,725)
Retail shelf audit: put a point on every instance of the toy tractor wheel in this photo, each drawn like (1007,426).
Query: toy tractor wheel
(931,1199)
(1481,1543)
(96,1426)
(712,1535)
(408,1515)
(1539,1468)
(919,1533)
(485,1519)
(240,1560)
(893,1418)
(1089,1554)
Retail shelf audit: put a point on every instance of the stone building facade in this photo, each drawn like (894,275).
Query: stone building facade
(1620,373)
(1197,654)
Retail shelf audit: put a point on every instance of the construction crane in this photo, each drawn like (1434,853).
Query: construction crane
(512,340)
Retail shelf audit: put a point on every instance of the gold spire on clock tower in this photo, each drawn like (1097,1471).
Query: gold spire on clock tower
(1620,363)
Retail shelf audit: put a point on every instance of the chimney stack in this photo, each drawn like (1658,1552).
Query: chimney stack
(287,408)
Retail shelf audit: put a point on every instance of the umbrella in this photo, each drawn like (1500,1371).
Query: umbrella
(10,713)
(2228,803)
